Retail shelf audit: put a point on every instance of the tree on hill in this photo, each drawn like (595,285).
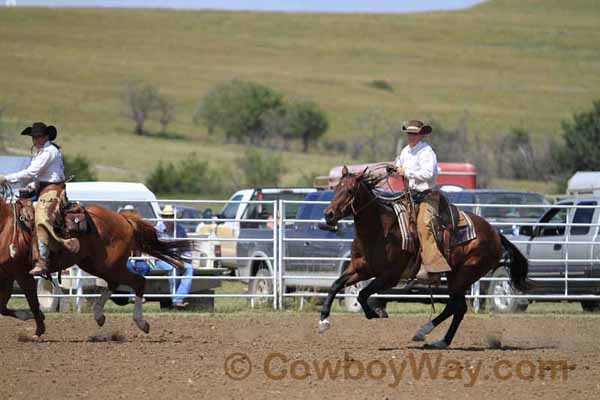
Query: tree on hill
(308,121)
(581,136)
(142,101)
(236,108)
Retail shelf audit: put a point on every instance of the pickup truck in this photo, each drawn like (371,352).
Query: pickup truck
(237,208)
(555,260)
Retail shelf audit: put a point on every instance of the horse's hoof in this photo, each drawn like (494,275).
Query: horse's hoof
(381,313)
(422,332)
(101,320)
(143,325)
(324,325)
(437,345)
(35,337)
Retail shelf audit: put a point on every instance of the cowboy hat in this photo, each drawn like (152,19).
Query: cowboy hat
(39,129)
(168,210)
(416,127)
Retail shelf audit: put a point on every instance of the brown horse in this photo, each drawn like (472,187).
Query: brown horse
(103,252)
(16,266)
(376,253)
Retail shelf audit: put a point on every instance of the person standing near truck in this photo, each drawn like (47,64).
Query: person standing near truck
(418,163)
(169,230)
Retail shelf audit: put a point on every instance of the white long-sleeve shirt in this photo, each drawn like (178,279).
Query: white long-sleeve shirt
(46,166)
(420,166)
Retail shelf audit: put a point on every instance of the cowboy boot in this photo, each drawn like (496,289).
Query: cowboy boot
(429,278)
(41,262)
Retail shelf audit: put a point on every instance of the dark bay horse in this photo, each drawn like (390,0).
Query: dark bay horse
(376,253)
(103,252)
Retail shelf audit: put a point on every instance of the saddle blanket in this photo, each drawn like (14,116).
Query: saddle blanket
(464,232)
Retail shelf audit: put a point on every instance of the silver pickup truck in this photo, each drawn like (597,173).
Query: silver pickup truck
(571,249)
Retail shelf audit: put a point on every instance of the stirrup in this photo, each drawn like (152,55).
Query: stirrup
(40,271)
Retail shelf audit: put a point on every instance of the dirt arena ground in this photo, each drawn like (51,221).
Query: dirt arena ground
(195,356)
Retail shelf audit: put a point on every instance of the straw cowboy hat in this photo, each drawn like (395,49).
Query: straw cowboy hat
(167,211)
(39,129)
(416,127)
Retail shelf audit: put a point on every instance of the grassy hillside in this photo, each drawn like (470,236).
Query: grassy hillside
(527,63)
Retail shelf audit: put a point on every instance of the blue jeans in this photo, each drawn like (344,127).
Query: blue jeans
(141,267)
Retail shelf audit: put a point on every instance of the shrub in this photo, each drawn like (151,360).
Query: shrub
(260,169)
(189,176)
(381,85)
(79,168)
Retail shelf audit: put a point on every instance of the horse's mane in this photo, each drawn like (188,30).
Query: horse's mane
(370,179)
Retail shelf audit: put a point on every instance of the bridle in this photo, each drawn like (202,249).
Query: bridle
(350,202)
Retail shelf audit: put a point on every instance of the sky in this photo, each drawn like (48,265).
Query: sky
(377,6)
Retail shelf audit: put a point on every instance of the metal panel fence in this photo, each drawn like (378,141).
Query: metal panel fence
(577,266)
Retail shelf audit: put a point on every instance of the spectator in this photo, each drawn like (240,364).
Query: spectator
(169,230)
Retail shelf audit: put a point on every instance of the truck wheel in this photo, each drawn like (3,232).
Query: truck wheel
(120,301)
(262,286)
(166,303)
(46,288)
(499,288)
(590,306)
(351,303)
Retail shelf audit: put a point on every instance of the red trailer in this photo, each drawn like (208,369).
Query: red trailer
(451,176)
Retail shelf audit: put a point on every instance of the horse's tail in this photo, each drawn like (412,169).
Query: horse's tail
(147,241)
(517,266)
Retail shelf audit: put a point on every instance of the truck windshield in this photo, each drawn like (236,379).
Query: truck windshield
(511,198)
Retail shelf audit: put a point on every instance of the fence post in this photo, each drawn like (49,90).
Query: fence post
(281,252)
(275,253)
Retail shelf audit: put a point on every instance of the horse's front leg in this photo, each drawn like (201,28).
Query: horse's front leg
(348,277)
(376,285)
(29,286)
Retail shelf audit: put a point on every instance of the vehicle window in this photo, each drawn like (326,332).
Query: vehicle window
(145,209)
(554,215)
(583,216)
(230,209)
(264,211)
(511,198)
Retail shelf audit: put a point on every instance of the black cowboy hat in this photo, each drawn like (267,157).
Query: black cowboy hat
(39,129)
(417,127)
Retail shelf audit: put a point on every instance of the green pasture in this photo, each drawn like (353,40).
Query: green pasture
(503,64)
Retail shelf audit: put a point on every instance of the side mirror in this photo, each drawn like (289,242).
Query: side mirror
(526,230)
(207,214)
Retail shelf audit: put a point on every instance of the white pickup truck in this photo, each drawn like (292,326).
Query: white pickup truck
(237,209)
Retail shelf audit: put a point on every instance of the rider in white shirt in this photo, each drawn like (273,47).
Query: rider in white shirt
(418,163)
(46,172)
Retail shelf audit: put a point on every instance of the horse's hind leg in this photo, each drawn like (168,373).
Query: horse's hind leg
(137,283)
(28,284)
(457,306)
(98,307)
(348,277)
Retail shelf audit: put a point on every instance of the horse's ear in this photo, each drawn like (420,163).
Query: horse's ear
(344,171)
(364,171)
